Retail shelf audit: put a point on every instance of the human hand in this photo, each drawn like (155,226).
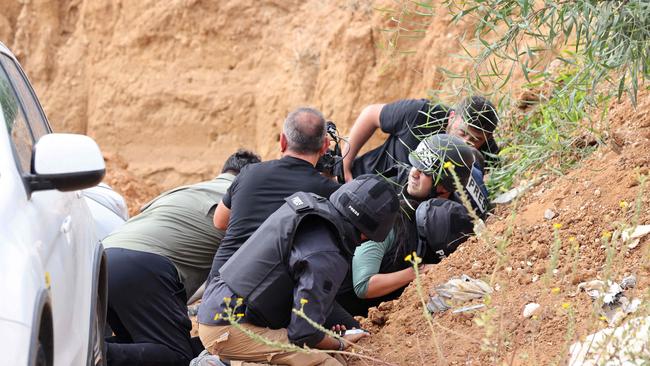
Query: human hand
(353,338)
(338,329)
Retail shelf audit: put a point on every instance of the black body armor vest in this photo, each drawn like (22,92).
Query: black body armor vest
(259,271)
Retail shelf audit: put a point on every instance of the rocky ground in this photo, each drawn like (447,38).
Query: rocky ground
(587,203)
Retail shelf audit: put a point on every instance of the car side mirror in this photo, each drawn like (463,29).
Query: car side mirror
(66,162)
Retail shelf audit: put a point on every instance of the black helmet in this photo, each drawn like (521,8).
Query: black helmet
(442,225)
(369,203)
(434,151)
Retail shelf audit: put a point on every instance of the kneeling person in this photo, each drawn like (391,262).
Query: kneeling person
(154,262)
(299,256)
(438,226)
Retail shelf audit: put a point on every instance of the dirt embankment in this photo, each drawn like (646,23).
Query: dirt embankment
(588,205)
(174,87)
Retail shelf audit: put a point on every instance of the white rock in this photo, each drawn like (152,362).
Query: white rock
(549,214)
(535,278)
(530,309)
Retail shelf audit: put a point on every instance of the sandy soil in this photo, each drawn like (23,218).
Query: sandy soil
(175,87)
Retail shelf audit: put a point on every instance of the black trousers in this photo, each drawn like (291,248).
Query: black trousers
(147,311)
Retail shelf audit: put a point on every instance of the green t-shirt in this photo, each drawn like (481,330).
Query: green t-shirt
(367,262)
(178,225)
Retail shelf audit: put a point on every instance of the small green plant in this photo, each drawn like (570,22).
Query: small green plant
(611,40)
(408,21)
(551,138)
(555,254)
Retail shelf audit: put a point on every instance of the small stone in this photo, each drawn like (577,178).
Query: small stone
(597,192)
(549,214)
(535,278)
(530,309)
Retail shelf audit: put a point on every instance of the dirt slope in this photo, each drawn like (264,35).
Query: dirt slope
(174,87)
(587,201)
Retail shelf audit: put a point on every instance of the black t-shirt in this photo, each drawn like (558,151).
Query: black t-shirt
(258,191)
(407,121)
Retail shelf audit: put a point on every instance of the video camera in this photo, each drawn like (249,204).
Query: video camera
(332,162)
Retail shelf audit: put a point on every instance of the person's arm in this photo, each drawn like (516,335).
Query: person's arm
(367,262)
(384,283)
(365,125)
(368,282)
(318,269)
(221,216)
(222,212)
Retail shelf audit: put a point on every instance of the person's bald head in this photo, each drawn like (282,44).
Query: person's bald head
(304,130)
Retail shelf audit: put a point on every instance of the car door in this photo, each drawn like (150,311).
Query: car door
(49,221)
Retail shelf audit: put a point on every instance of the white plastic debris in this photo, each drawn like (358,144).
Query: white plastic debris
(634,236)
(639,231)
(468,308)
(530,309)
(625,345)
(457,290)
(616,305)
(506,197)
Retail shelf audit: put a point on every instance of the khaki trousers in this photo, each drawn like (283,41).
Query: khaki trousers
(231,344)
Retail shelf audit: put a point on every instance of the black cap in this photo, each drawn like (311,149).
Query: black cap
(441,223)
(434,151)
(369,203)
(479,113)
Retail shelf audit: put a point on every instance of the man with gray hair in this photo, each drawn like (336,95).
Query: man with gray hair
(261,188)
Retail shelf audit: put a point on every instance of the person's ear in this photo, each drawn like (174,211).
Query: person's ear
(283,142)
(326,145)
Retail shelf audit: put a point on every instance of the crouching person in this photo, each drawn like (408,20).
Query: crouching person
(154,262)
(432,223)
(299,256)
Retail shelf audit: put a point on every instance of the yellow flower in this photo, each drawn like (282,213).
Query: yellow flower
(572,239)
(624,205)
(566,305)
(240,301)
(217,316)
(408,258)
(555,290)
(240,315)
(226,300)
(417,259)
(603,318)
(448,165)
(606,234)
(303,301)
(557,226)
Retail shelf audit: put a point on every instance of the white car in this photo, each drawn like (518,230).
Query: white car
(52,265)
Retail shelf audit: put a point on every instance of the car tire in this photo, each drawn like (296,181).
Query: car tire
(41,357)
(98,356)
(99,347)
